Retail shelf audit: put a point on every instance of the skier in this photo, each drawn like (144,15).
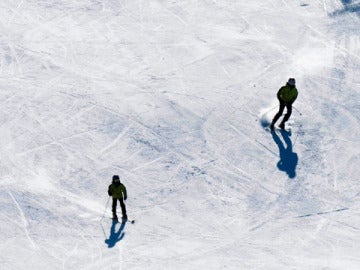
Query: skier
(286,96)
(118,192)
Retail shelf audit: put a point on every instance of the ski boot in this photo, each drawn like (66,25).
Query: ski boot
(115,218)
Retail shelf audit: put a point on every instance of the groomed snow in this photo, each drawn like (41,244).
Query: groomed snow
(172,95)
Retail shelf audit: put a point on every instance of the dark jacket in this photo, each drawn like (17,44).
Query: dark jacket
(117,190)
(287,94)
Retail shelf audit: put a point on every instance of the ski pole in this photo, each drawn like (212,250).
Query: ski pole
(107,203)
(297,110)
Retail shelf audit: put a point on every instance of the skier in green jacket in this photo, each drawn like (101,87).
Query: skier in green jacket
(118,192)
(286,96)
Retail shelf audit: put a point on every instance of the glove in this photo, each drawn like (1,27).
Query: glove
(109,192)
(125,198)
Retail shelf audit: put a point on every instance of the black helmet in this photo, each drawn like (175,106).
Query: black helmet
(291,82)
(116,178)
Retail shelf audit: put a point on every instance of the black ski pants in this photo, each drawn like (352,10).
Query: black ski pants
(281,110)
(122,205)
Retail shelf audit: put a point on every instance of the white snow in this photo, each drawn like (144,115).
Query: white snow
(170,95)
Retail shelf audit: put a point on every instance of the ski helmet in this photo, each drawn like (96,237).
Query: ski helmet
(291,82)
(115,178)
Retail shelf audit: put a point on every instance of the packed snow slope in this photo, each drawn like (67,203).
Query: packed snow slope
(172,95)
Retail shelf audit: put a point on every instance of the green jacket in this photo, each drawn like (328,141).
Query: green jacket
(287,94)
(117,191)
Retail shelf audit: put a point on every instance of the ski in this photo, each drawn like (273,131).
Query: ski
(276,128)
(132,221)
(286,130)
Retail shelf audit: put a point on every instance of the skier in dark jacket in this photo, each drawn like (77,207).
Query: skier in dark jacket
(118,192)
(286,96)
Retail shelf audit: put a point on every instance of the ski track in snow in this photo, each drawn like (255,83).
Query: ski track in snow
(175,98)
(24,221)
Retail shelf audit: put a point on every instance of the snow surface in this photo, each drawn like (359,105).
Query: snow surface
(171,95)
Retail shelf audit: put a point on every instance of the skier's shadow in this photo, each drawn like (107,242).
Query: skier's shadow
(115,236)
(288,159)
(349,7)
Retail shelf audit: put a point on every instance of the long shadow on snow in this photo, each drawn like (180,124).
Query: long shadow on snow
(349,7)
(288,159)
(115,236)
